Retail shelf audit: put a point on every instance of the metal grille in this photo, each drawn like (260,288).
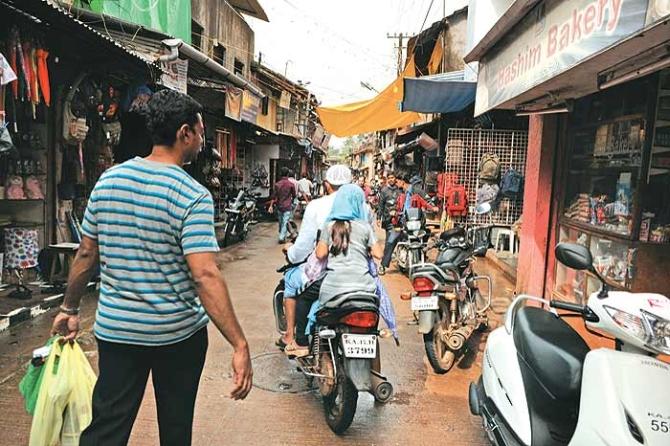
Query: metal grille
(465,148)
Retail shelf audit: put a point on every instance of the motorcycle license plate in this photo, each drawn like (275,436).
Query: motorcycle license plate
(424,303)
(359,346)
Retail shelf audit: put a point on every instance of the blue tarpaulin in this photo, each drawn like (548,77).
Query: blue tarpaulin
(439,93)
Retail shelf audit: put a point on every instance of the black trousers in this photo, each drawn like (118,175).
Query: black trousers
(124,370)
(303,305)
(392,239)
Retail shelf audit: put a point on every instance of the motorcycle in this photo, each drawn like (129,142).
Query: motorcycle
(411,250)
(542,385)
(344,356)
(240,213)
(447,298)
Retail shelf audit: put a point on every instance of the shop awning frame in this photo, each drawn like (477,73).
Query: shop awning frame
(439,93)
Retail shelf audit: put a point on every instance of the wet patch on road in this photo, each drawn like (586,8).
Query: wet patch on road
(274,372)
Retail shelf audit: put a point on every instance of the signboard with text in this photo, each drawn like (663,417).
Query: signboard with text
(554,36)
(251,106)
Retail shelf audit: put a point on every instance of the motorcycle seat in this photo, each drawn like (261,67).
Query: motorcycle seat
(458,231)
(553,352)
(453,259)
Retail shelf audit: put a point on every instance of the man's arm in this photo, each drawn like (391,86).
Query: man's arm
(85,263)
(214,296)
(304,244)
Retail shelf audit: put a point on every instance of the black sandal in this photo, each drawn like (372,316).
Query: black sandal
(281,344)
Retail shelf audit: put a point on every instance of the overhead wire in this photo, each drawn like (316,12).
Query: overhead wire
(427,13)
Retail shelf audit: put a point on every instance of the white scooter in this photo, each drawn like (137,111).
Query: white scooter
(542,386)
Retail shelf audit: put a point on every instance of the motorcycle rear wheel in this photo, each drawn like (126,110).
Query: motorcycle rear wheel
(340,406)
(440,357)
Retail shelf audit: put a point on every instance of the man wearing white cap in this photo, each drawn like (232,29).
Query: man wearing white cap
(314,218)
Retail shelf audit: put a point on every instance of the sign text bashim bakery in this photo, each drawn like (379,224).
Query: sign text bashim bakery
(553,37)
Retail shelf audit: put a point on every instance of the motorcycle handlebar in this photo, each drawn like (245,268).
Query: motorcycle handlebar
(575,308)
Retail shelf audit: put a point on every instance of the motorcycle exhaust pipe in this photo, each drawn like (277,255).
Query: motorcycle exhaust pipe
(457,339)
(382,390)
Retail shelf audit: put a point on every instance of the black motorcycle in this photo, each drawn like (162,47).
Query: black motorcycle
(411,250)
(240,214)
(344,356)
(447,298)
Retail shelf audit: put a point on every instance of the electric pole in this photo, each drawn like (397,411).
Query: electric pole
(400,47)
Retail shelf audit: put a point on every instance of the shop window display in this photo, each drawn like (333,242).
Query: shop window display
(655,220)
(616,189)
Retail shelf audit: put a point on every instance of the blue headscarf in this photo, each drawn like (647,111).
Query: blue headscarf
(349,204)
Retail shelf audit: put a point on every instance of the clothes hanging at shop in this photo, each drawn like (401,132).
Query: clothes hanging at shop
(27,60)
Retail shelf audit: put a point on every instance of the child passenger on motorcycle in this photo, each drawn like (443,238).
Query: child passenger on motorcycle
(347,241)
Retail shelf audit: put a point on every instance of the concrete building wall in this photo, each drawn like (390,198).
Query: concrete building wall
(455,42)
(226,26)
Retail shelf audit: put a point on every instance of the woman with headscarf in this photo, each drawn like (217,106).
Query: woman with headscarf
(348,240)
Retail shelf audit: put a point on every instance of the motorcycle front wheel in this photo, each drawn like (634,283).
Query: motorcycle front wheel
(340,406)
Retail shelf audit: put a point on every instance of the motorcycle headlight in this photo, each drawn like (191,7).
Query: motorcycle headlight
(653,330)
(632,324)
(658,331)
(413,225)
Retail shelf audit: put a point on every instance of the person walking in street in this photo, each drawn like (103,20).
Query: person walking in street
(388,197)
(305,187)
(283,195)
(149,228)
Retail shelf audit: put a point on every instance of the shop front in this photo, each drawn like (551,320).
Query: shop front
(593,78)
(68,95)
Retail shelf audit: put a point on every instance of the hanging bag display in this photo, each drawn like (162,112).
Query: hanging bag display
(489,167)
(457,201)
(511,185)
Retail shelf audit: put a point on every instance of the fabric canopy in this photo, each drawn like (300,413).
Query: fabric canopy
(440,93)
(379,113)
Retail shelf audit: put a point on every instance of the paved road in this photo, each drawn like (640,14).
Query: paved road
(427,409)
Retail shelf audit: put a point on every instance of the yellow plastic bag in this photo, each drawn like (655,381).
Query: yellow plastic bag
(63,407)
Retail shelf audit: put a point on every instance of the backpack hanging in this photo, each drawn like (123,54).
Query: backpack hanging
(511,185)
(445,180)
(489,167)
(457,201)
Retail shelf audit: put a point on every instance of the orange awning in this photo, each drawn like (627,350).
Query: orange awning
(379,113)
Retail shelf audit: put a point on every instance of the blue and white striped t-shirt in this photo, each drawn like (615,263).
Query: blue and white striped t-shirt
(146,217)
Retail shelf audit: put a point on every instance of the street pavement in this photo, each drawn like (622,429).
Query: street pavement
(427,409)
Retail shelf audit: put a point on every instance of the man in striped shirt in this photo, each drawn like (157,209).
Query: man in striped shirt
(149,227)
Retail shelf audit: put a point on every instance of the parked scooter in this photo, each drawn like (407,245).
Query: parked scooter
(240,213)
(447,298)
(542,386)
(344,356)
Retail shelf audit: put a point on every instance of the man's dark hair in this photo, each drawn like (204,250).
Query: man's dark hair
(166,112)
(284,171)
(291,173)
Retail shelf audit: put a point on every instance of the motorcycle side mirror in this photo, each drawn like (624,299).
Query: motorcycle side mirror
(483,208)
(574,256)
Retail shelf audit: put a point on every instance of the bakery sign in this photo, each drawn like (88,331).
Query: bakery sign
(554,36)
